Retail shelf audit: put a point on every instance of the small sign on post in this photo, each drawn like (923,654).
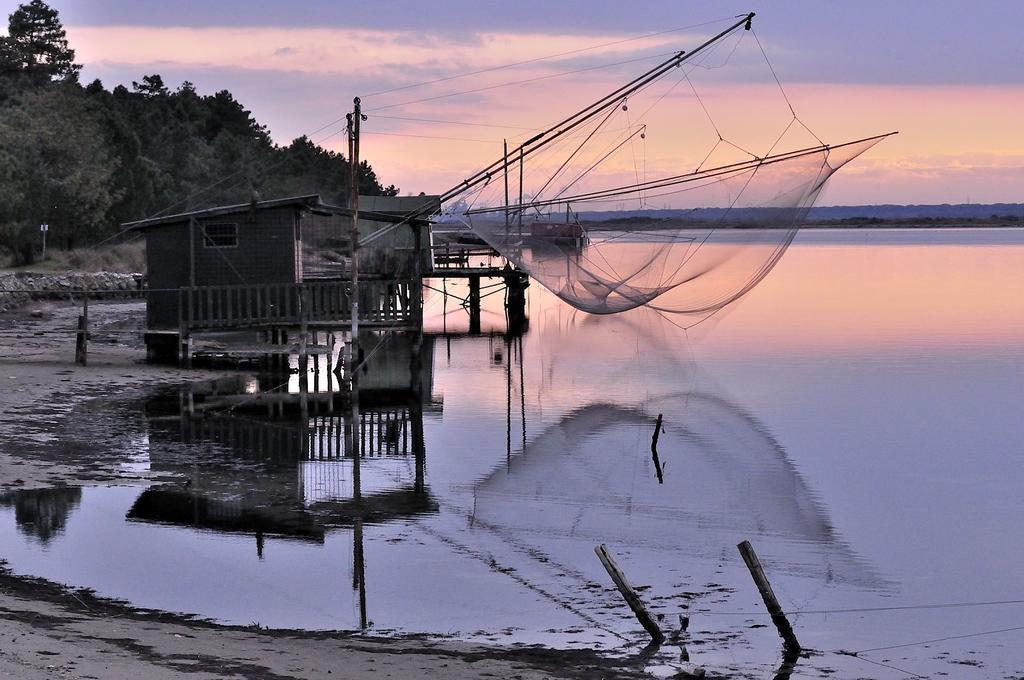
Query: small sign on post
(43,228)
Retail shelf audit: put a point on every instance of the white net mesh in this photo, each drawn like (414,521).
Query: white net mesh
(600,210)
(692,264)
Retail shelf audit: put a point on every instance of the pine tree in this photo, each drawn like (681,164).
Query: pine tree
(37,45)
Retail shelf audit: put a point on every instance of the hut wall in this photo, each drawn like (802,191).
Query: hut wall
(264,250)
(166,268)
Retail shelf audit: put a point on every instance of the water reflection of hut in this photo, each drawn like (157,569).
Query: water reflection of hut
(592,477)
(256,460)
(42,513)
(184,507)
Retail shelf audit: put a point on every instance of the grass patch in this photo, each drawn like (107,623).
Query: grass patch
(123,258)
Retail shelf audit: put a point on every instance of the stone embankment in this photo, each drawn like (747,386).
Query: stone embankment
(18,288)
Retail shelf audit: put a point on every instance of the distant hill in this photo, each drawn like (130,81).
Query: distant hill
(835,213)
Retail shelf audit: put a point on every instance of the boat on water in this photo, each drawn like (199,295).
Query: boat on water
(558,231)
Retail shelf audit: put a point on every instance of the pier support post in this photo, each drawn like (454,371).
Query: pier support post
(303,332)
(185,350)
(474,304)
(417,398)
(185,316)
(515,306)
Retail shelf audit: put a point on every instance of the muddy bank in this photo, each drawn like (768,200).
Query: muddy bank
(40,385)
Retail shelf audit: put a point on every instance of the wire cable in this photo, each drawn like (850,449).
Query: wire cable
(862,610)
(545,58)
(524,81)
(934,640)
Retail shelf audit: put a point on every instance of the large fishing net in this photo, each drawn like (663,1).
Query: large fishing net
(646,198)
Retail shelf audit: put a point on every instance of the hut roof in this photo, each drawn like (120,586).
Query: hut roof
(311,203)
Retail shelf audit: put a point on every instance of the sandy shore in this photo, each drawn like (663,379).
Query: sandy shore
(50,631)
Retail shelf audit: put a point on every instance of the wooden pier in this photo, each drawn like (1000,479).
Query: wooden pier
(456,261)
(211,308)
(279,308)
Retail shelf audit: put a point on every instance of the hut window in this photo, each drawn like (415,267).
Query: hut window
(221,235)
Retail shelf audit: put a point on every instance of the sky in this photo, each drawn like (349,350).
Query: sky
(947,75)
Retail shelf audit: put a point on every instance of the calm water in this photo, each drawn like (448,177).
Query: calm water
(859,417)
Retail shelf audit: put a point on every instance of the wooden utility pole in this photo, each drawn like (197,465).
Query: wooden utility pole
(354,119)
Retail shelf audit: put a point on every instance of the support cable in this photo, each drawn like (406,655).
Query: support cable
(781,88)
(545,58)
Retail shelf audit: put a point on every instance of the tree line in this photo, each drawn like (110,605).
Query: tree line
(84,159)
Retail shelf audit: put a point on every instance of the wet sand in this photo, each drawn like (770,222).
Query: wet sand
(50,631)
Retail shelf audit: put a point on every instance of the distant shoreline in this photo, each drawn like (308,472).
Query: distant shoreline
(830,225)
(882,213)
(914,224)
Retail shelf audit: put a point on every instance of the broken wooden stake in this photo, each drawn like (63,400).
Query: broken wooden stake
(654,451)
(629,594)
(770,601)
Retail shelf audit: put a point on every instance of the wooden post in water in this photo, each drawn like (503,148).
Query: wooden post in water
(82,338)
(654,451)
(359,568)
(515,301)
(629,594)
(770,601)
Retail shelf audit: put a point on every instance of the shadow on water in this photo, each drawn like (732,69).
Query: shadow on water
(42,513)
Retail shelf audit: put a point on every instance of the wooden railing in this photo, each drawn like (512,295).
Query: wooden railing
(383,432)
(206,308)
(448,256)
